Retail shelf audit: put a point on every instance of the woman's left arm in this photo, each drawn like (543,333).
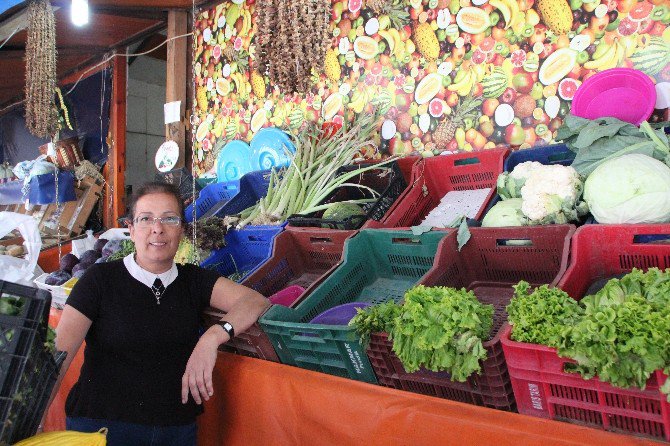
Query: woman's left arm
(243,307)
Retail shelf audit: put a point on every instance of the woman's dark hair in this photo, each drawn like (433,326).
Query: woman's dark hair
(155,187)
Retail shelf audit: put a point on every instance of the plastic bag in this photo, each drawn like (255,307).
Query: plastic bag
(42,188)
(82,245)
(116,234)
(14,269)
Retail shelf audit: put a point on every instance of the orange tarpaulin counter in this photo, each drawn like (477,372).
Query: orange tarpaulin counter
(262,403)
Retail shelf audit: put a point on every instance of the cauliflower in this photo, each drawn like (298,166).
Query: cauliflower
(551,194)
(523,170)
(510,183)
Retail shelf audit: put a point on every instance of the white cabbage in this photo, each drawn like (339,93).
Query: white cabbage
(505,213)
(630,189)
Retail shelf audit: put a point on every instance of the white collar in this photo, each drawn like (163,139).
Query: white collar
(147,277)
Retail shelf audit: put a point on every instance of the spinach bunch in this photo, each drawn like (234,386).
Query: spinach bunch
(540,316)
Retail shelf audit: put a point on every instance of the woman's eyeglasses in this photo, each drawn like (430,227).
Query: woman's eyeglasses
(147,220)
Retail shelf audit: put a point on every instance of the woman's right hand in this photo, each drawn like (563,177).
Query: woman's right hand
(197,379)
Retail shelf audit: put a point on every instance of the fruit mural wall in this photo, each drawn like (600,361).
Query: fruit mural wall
(447,74)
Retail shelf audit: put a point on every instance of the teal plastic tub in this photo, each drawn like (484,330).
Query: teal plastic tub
(378,266)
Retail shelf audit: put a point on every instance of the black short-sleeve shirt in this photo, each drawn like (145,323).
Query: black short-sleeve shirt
(136,350)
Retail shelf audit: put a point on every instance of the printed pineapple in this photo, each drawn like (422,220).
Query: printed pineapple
(469,108)
(556,14)
(394,9)
(229,52)
(426,41)
(332,66)
(257,84)
(201,98)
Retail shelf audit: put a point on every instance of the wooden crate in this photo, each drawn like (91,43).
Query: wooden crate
(69,218)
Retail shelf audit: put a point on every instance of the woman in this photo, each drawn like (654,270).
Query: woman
(146,372)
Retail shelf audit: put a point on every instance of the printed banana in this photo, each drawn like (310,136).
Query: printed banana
(389,39)
(605,61)
(514,11)
(504,9)
(464,86)
(247,21)
(358,101)
(244,30)
(399,45)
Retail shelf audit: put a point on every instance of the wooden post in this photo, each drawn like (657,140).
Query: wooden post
(175,88)
(116,159)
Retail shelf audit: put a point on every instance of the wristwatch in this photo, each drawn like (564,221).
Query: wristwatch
(228,328)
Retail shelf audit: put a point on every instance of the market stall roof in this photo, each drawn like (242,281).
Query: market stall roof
(112,24)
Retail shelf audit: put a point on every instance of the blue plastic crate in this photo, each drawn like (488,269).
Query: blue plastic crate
(245,251)
(547,155)
(211,195)
(253,187)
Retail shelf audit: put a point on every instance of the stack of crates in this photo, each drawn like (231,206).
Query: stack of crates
(301,258)
(28,371)
(490,263)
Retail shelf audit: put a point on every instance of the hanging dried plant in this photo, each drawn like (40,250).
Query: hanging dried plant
(292,38)
(263,9)
(41,114)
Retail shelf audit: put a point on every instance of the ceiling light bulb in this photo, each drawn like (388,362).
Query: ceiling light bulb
(79,12)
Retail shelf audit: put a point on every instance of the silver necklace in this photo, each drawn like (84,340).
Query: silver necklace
(157,292)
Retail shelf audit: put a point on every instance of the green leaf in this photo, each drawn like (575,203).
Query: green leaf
(588,159)
(420,229)
(597,129)
(463,234)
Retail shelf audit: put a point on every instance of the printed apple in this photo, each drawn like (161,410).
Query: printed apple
(522,82)
(508,96)
(489,106)
(514,135)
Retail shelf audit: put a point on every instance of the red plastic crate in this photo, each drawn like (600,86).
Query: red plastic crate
(253,342)
(434,177)
(601,251)
(300,256)
(491,262)
(543,389)
(406,165)
(489,389)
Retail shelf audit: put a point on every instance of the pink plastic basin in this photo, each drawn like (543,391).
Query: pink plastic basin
(287,296)
(622,93)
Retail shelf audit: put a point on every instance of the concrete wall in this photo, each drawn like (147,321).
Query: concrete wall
(145,130)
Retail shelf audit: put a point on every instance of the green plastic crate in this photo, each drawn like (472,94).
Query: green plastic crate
(378,266)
